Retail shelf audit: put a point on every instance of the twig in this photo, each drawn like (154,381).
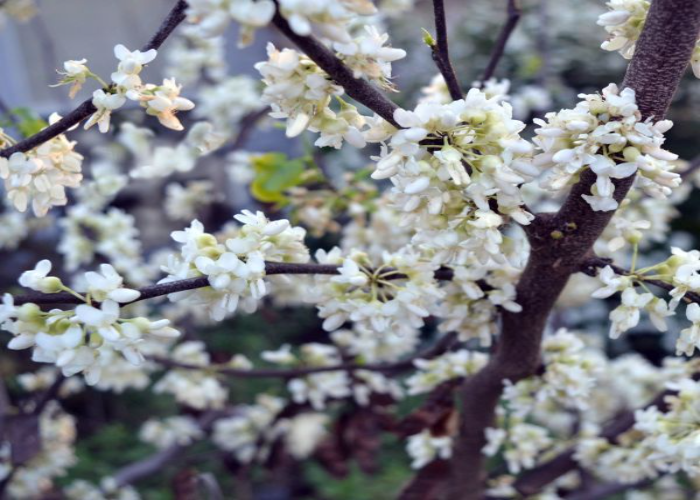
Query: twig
(357,88)
(154,463)
(589,267)
(500,47)
(435,350)
(607,490)
(693,166)
(86,108)
(534,480)
(49,395)
(441,53)
(152,291)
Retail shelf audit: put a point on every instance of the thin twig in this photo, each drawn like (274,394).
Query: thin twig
(86,108)
(500,46)
(154,463)
(589,267)
(49,395)
(693,166)
(161,289)
(441,346)
(441,52)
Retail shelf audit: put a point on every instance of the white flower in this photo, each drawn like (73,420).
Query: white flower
(164,102)
(689,339)
(423,448)
(76,72)
(105,104)
(624,22)
(103,319)
(626,315)
(39,280)
(131,63)
(108,284)
(613,283)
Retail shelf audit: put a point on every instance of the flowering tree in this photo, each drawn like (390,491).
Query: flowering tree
(441,296)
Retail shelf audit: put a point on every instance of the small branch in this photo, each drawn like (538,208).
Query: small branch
(158,290)
(49,395)
(154,463)
(605,491)
(535,480)
(441,53)
(693,166)
(440,347)
(589,267)
(86,108)
(357,88)
(514,13)
(246,127)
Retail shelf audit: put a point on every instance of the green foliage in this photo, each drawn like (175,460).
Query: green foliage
(27,121)
(274,174)
(393,474)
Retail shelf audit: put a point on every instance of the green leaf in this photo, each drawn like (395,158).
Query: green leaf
(27,122)
(274,174)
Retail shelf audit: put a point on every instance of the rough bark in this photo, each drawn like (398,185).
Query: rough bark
(662,55)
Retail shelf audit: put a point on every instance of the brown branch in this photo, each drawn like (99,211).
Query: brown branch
(158,290)
(661,57)
(440,347)
(693,166)
(606,490)
(357,88)
(499,48)
(154,463)
(535,480)
(86,108)
(441,52)
(49,394)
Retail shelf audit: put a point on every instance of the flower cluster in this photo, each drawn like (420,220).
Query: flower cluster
(41,175)
(320,388)
(368,57)
(329,18)
(681,271)
(178,430)
(296,89)
(433,372)
(162,101)
(624,22)
(394,294)
(425,447)
(196,388)
(606,134)
(56,437)
(235,268)
(241,433)
(162,161)
(83,339)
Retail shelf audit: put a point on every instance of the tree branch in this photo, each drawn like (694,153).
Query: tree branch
(440,347)
(441,53)
(154,463)
(158,290)
(86,108)
(534,480)
(589,267)
(660,59)
(500,46)
(357,88)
